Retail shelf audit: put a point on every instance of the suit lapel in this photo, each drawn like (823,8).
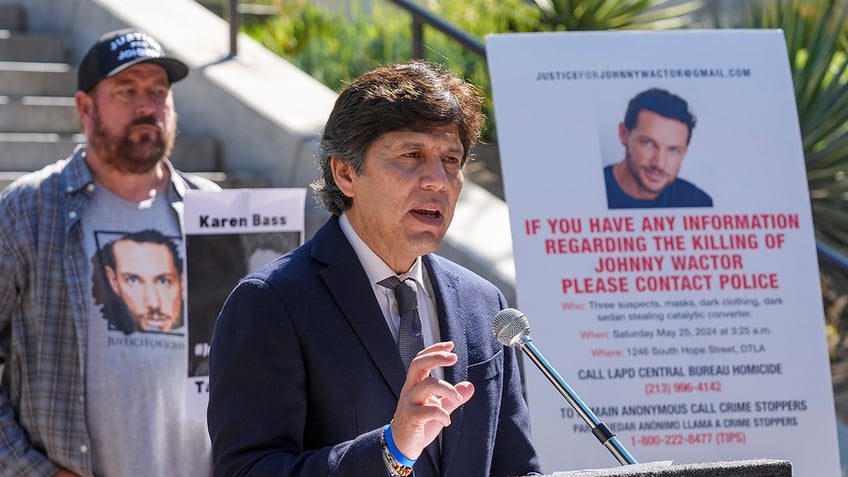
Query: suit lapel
(348,284)
(452,328)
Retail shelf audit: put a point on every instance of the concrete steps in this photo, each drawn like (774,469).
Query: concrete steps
(38,119)
(55,114)
(26,47)
(34,78)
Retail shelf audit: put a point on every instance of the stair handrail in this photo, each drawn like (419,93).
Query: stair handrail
(234,21)
(421,16)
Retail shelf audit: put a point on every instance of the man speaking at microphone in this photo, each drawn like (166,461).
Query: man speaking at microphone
(362,353)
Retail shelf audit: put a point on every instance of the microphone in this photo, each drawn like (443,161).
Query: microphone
(511,328)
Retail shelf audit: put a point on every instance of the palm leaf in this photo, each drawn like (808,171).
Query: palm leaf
(815,33)
(575,15)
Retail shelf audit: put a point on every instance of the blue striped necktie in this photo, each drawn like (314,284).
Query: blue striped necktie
(410,339)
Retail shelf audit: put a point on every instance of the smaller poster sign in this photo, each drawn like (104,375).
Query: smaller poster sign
(229,233)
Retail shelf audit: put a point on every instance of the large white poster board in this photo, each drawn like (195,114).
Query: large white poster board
(229,233)
(696,333)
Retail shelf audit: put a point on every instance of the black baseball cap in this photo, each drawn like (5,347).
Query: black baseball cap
(118,50)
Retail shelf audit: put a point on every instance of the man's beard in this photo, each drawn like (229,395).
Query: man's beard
(126,155)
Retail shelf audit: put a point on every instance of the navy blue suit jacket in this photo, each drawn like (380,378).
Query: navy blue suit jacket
(304,372)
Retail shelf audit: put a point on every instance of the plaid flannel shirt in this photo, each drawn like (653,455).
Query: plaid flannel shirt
(43,315)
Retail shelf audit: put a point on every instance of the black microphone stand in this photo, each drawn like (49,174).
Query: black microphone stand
(599,429)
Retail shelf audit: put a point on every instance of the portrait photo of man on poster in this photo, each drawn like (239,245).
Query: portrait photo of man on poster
(655,134)
(138,280)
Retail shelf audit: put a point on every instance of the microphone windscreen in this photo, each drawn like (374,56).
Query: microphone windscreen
(509,325)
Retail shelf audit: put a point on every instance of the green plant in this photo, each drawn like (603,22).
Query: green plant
(336,45)
(815,32)
(575,15)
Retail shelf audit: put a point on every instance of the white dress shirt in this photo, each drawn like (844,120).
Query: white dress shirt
(378,270)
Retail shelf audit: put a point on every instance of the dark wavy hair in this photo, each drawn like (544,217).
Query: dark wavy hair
(662,102)
(145,236)
(413,96)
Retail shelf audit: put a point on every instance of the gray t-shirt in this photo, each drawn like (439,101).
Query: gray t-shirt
(136,366)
